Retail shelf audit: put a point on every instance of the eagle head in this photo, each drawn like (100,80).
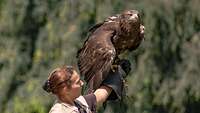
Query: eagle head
(129,22)
(130,32)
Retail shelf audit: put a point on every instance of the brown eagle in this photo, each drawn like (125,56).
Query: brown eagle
(105,42)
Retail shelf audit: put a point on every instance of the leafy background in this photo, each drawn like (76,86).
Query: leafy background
(37,36)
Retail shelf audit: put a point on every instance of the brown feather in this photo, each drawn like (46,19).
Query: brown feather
(97,55)
(105,42)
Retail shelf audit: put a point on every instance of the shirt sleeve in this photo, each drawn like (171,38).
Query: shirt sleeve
(91,101)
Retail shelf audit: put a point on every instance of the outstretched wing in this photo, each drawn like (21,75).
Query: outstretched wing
(96,57)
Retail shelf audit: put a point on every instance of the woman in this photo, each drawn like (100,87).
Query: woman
(66,84)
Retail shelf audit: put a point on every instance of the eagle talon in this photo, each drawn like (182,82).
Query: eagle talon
(114,67)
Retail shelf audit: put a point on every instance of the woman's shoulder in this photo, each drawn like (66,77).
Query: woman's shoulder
(89,101)
(82,100)
(60,107)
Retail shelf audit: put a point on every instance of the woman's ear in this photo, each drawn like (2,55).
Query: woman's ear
(65,90)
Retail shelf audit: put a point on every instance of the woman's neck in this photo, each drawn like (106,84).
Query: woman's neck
(66,99)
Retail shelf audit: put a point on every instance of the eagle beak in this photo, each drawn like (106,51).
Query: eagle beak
(142,28)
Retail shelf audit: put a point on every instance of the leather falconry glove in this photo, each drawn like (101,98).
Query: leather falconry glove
(115,80)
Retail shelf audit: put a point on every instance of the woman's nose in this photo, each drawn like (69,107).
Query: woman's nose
(82,83)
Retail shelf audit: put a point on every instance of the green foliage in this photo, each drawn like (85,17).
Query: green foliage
(37,36)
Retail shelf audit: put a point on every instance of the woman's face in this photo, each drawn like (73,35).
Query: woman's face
(76,85)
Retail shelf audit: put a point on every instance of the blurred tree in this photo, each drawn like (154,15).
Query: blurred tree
(37,36)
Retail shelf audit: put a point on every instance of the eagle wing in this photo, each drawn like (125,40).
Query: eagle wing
(96,57)
(107,20)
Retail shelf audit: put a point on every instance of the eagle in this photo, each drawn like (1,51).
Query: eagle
(105,42)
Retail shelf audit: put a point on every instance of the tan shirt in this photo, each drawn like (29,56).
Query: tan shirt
(60,107)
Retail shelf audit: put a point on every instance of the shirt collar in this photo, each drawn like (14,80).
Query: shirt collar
(73,107)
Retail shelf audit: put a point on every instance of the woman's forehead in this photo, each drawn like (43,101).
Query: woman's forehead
(75,76)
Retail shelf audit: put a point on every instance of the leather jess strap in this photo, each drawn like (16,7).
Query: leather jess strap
(81,107)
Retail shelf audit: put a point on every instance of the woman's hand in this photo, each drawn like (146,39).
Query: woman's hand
(102,94)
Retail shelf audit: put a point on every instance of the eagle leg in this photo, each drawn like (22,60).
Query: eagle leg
(115,64)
